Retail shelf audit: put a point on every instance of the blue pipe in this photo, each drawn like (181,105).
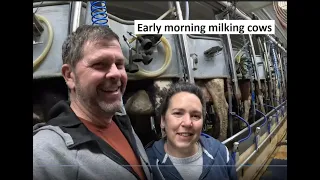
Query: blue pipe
(265,121)
(265,118)
(275,111)
(233,154)
(248,126)
(99,14)
(253,96)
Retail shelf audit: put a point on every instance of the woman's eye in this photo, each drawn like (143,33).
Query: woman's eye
(177,113)
(196,116)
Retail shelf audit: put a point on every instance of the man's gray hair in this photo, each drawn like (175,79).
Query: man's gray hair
(72,48)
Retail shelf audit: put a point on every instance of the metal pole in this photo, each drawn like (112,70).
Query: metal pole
(254,61)
(75,20)
(235,78)
(184,44)
(281,69)
(252,72)
(230,118)
(267,69)
(239,13)
(271,84)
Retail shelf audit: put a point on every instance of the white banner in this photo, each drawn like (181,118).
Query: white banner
(204,27)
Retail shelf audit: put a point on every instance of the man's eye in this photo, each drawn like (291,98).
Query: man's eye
(98,65)
(119,65)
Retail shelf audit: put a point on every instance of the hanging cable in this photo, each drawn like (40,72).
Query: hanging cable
(99,14)
(45,52)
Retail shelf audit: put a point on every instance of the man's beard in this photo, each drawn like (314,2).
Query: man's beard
(95,103)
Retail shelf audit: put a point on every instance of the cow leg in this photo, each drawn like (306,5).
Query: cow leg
(260,99)
(246,99)
(216,89)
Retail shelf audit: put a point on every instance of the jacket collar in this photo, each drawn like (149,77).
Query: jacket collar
(209,154)
(63,116)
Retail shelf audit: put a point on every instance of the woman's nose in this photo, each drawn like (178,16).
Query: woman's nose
(187,121)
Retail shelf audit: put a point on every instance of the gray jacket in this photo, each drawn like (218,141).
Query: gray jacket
(64,149)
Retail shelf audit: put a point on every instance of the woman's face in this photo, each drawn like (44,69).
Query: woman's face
(183,120)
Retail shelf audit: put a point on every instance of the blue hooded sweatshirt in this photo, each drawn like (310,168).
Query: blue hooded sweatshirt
(217,162)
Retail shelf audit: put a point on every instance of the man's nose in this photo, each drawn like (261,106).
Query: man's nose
(114,72)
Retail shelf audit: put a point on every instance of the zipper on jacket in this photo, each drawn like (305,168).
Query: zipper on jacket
(115,156)
(127,132)
(133,144)
(174,175)
(157,163)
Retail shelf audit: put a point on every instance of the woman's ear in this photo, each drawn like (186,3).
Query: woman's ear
(162,126)
(162,123)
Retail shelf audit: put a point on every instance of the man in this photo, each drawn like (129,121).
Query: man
(86,139)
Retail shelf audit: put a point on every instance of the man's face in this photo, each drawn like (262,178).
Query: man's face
(100,77)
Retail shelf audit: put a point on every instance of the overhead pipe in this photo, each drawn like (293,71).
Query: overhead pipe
(49,3)
(238,12)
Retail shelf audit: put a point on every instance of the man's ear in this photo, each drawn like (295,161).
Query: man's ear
(68,75)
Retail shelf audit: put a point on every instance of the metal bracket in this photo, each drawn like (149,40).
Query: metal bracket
(35,43)
(279,111)
(269,125)
(257,137)
(195,61)
(236,151)
(260,63)
(283,110)
(212,51)
(277,116)
(153,126)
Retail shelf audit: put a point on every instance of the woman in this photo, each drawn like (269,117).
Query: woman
(183,153)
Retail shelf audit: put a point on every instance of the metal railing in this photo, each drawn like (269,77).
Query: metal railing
(260,145)
(270,113)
